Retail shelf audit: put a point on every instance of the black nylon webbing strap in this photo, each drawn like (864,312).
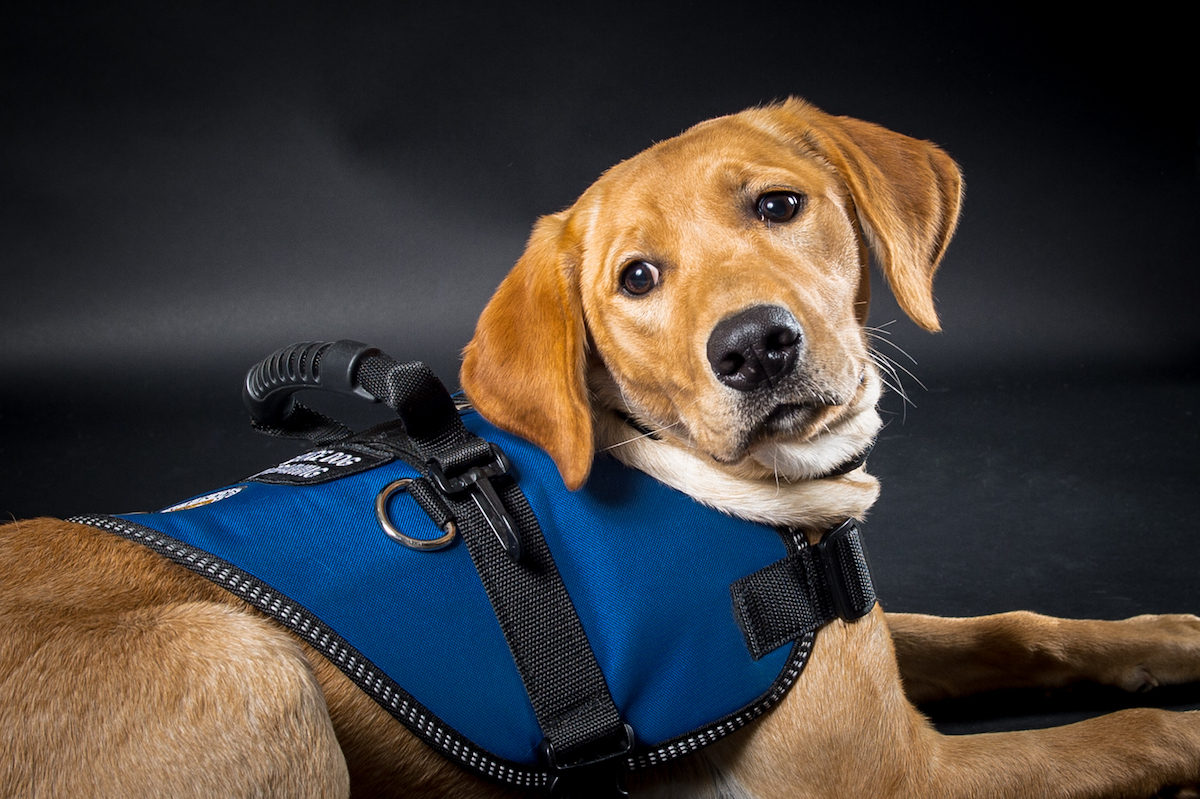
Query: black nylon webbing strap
(565,685)
(414,392)
(430,501)
(304,422)
(801,593)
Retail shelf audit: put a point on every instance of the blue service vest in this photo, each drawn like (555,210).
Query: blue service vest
(647,568)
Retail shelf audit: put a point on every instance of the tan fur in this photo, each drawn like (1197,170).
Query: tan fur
(124,675)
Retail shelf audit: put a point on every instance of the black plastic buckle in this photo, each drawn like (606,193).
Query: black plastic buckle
(478,481)
(596,773)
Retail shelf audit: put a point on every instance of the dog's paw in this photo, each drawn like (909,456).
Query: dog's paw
(1149,651)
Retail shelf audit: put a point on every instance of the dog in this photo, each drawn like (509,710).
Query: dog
(699,314)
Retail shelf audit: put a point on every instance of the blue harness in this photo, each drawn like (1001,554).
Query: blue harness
(698,621)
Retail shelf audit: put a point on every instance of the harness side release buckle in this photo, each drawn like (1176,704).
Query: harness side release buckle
(597,772)
(477,481)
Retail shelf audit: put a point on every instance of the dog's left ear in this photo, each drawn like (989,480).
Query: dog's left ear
(907,192)
(524,370)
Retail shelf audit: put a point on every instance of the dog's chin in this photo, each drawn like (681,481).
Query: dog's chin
(783,443)
(786,419)
(805,442)
(790,446)
(814,459)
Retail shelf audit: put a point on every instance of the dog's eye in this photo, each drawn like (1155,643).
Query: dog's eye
(639,277)
(779,206)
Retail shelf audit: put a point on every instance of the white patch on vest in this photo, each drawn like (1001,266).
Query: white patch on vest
(313,464)
(207,499)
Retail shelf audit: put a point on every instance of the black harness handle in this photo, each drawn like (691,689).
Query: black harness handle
(344,367)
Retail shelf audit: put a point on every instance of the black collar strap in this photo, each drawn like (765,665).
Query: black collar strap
(850,465)
(637,426)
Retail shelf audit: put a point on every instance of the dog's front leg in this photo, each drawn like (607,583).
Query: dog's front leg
(949,657)
(848,729)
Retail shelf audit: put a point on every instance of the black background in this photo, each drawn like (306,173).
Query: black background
(187,187)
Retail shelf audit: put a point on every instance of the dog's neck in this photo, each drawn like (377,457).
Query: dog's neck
(747,491)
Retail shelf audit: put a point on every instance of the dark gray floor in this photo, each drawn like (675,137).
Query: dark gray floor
(1074,500)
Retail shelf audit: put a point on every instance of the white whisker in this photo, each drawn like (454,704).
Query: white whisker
(880,329)
(775,471)
(889,368)
(651,429)
(896,347)
(640,436)
(902,368)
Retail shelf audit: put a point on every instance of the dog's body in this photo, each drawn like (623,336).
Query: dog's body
(699,313)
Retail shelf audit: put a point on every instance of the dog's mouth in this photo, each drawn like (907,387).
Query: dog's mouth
(793,419)
(785,418)
(817,435)
(789,420)
(809,455)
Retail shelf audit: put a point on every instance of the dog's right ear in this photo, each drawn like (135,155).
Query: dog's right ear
(525,369)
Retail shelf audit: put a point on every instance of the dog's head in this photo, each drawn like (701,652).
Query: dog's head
(713,289)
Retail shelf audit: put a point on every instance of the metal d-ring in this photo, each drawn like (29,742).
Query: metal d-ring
(419,544)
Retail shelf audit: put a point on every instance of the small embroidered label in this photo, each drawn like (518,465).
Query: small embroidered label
(207,499)
(322,465)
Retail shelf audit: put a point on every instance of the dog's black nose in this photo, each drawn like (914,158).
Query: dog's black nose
(755,347)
